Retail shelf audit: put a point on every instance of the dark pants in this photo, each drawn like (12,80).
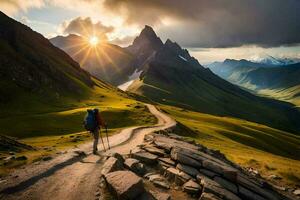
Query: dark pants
(96,138)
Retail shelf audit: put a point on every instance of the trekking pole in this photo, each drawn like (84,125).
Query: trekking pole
(102,140)
(107,136)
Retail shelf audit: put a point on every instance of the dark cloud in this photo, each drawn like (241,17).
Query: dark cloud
(217,23)
(85,27)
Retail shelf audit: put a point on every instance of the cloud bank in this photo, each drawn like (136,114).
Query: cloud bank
(217,23)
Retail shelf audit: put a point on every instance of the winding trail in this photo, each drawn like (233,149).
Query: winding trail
(73,175)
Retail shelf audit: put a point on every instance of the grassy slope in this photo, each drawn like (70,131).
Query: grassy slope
(53,126)
(269,150)
(28,117)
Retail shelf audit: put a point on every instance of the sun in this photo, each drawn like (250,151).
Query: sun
(94,40)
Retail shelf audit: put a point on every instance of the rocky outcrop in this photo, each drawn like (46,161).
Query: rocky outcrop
(179,167)
(124,184)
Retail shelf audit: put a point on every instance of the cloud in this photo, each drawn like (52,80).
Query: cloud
(125,41)
(86,27)
(11,7)
(216,23)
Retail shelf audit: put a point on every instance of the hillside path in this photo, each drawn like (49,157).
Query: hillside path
(70,176)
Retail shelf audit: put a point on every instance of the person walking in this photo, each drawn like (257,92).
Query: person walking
(100,123)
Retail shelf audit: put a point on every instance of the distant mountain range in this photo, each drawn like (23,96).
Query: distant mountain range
(270,60)
(281,79)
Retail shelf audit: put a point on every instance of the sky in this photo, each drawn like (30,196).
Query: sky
(212,30)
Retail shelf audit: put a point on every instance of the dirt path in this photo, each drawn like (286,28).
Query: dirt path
(73,175)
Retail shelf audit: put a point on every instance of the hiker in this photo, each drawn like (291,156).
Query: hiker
(92,123)
(100,123)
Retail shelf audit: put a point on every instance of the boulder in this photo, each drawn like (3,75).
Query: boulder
(125,185)
(160,195)
(228,172)
(161,184)
(135,166)
(210,186)
(159,181)
(182,178)
(171,173)
(208,196)
(167,161)
(187,169)
(226,184)
(184,159)
(118,156)
(208,173)
(191,187)
(145,157)
(111,164)
(247,194)
(257,187)
(154,150)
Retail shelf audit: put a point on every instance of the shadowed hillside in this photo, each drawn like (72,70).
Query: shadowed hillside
(171,76)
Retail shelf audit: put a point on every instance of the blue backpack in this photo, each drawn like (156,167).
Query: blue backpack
(89,122)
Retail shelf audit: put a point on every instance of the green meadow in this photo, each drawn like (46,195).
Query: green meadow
(270,151)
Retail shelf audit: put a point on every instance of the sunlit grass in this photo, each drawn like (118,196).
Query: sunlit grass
(269,150)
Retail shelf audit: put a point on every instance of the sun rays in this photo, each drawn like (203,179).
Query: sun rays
(94,40)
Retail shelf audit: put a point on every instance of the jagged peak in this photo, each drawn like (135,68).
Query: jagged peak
(148,32)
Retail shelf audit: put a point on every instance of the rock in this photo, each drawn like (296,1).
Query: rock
(208,173)
(163,167)
(111,164)
(154,150)
(156,177)
(215,188)
(247,194)
(161,184)
(297,192)
(167,161)
(208,196)
(159,181)
(187,169)
(171,173)
(182,178)
(254,186)
(182,158)
(145,157)
(191,187)
(125,184)
(227,172)
(160,195)
(118,156)
(135,166)
(226,184)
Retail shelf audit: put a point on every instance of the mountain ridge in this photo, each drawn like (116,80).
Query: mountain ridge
(180,80)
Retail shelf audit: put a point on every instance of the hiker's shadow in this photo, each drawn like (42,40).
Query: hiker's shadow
(29,182)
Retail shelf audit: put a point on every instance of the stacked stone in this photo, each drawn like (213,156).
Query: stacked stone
(169,161)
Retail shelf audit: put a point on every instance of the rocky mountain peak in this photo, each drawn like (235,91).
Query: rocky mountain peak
(147,40)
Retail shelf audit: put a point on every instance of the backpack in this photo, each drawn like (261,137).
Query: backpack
(89,122)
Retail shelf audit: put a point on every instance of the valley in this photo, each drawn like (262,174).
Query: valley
(242,110)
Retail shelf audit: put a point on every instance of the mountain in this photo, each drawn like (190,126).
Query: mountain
(281,82)
(31,65)
(271,60)
(171,76)
(105,61)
